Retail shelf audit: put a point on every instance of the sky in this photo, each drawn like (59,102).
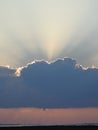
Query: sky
(48,59)
(48,29)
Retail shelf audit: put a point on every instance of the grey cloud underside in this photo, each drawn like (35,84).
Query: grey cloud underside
(56,85)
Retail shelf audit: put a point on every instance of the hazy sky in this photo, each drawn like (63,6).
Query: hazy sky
(48,29)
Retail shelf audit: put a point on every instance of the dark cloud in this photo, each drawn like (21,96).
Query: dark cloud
(62,83)
(6,71)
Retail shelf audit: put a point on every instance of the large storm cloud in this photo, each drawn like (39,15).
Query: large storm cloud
(60,84)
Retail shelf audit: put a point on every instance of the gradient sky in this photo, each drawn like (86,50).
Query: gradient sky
(48,29)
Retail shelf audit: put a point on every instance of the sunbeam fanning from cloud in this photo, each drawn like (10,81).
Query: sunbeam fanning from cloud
(48,29)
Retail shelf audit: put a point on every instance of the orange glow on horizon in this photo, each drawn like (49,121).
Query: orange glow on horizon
(37,116)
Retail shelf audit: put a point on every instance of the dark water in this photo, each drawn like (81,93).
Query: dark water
(84,127)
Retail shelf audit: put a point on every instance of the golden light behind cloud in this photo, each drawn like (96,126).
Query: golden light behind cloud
(41,29)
